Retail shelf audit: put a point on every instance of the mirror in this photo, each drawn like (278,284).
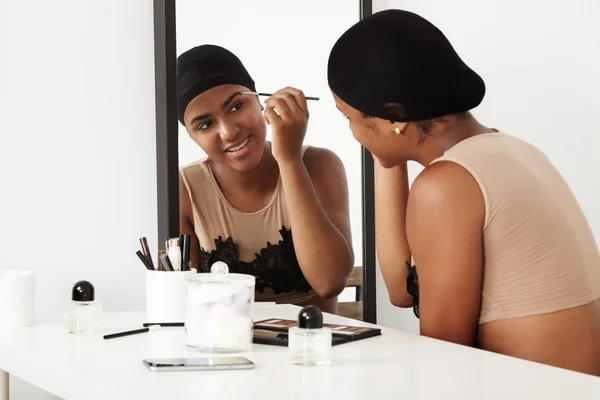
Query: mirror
(280,46)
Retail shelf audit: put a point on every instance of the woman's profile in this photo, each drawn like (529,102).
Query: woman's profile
(504,258)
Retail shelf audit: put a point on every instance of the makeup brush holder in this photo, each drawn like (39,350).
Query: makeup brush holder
(219,311)
(166,295)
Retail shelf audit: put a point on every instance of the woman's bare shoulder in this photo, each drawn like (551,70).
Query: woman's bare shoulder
(322,160)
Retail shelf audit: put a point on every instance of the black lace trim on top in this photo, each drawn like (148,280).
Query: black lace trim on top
(412,287)
(276,266)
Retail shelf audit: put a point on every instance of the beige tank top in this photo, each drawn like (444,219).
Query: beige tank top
(540,254)
(257,243)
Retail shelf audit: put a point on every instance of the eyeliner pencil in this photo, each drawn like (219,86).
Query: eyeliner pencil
(144,261)
(185,252)
(271,94)
(166,324)
(129,333)
(307,97)
(164,259)
(147,251)
(126,333)
(142,247)
(181,252)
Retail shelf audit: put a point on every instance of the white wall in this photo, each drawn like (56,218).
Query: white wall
(283,44)
(78,153)
(540,64)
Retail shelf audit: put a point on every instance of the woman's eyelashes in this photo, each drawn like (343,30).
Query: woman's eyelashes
(208,123)
(204,126)
(236,107)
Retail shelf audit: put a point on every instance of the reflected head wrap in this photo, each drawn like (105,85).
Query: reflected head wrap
(205,67)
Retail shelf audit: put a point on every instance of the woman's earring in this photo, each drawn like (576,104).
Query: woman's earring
(397,130)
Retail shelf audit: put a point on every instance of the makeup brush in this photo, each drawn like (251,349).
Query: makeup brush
(144,261)
(164,259)
(271,94)
(146,250)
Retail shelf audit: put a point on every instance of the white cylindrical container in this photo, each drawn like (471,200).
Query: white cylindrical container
(17,298)
(166,293)
(219,311)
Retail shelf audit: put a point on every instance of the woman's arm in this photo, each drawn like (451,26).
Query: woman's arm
(445,218)
(316,194)
(391,196)
(186,223)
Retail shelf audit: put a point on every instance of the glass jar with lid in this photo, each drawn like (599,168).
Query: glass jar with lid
(219,311)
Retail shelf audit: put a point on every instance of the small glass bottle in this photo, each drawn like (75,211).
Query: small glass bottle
(310,342)
(84,311)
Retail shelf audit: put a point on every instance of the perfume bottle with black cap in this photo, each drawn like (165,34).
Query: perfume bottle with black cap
(310,342)
(84,310)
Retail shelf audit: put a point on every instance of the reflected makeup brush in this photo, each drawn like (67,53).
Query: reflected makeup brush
(271,94)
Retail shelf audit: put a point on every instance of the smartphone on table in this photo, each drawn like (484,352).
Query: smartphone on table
(198,364)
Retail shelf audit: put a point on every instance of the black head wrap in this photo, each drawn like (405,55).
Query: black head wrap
(396,56)
(205,67)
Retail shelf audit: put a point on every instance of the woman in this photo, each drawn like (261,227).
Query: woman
(506,260)
(243,202)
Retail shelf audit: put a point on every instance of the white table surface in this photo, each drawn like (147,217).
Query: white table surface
(395,365)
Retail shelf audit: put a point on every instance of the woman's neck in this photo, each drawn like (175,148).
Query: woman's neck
(446,135)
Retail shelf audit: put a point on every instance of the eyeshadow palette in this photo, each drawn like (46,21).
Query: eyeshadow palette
(274,331)
(275,338)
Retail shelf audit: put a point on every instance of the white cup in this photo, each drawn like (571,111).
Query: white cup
(17,297)
(166,295)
